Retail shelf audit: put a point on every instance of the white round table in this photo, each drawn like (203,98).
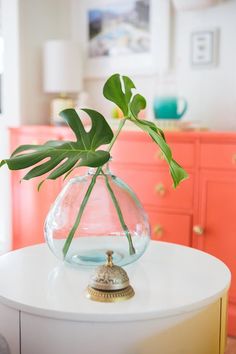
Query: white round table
(179,305)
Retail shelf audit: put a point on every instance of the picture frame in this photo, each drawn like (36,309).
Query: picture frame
(204,47)
(154,60)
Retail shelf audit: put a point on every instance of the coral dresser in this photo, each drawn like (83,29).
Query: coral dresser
(200,213)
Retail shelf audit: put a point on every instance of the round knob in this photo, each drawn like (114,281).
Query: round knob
(234,159)
(198,229)
(158,230)
(160,189)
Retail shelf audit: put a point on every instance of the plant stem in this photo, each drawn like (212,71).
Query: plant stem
(86,197)
(80,213)
(120,215)
(121,124)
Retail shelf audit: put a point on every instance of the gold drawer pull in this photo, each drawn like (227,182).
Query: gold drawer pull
(160,189)
(198,229)
(234,159)
(158,230)
(159,155)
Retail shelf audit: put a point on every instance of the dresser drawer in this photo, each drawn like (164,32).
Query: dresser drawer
(137,152)
(171,227)
(218,156)
(31,138)
(156,187)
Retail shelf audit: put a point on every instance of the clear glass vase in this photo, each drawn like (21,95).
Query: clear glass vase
(113,219)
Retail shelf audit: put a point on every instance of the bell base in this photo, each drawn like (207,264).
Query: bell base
(110,295)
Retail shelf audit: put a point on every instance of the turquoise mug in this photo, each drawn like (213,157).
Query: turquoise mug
(166,107)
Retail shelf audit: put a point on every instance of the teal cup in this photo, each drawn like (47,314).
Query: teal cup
(166,107)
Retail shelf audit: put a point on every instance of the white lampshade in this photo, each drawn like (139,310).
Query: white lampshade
(62,66)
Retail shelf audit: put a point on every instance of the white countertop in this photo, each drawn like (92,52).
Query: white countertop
(168,280)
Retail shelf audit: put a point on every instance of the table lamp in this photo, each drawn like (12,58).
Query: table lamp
(62,66)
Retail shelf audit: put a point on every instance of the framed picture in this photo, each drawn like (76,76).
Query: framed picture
(127,36)
(204,47)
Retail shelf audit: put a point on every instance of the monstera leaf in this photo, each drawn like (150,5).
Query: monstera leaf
(60,157)
(119,93)
(120,90)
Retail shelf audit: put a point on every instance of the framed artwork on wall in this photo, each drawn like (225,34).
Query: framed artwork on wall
(204,48)
(124,36)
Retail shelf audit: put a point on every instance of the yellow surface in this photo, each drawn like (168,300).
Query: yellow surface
(204,333)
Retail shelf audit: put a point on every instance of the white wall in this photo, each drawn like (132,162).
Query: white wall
(26,24)
(11,109)
(211,92)
(38,22)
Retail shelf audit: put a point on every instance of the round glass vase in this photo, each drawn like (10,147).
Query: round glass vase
(113,219)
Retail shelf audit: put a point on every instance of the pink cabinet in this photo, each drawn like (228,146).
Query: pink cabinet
(200,213)
(154,187)
(30,207)
(217,206)
(171,227)
(217,219)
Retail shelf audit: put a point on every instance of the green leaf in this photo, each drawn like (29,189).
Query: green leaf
(128,86)
(156,134)
(178,174)
(35,147)
(2,163)
(59,157)
(100,132)
(118,89)
(137,104)
(114,91)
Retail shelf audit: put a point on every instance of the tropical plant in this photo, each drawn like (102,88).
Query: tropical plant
(59,158)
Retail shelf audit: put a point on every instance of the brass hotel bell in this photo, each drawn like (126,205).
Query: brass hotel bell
(109,283)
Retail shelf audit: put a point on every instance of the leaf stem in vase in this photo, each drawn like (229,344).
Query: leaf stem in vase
(80,213)
(120,215)
(86,198)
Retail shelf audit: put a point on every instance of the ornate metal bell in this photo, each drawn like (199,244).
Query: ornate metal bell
(109,283)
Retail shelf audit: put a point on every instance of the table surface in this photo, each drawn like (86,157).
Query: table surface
(168,280)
